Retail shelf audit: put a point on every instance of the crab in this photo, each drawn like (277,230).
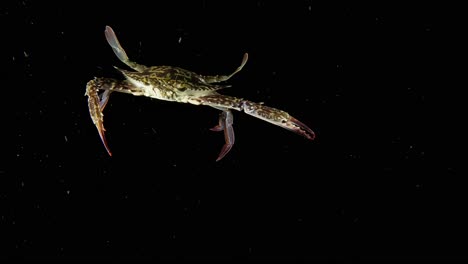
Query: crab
(183,86)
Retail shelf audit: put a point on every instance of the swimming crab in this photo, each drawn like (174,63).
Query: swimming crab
(183,86)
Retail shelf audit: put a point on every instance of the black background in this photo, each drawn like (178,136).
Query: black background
(359,75)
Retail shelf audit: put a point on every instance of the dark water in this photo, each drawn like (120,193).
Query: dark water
(358,75)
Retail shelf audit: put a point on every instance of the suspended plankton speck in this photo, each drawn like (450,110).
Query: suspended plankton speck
(180,40)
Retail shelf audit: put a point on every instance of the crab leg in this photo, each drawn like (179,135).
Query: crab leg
(104,99)
(222,78)
(119,51)
(226,119)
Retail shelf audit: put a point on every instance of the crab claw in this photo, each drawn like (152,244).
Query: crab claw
(277,117)
(101,129)
(95,106)
(299,128)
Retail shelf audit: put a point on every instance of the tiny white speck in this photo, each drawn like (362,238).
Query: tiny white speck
(13,58)
(22,183)
(310,8)
(25,54)
(180,40)
(68,192)
(66,139)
